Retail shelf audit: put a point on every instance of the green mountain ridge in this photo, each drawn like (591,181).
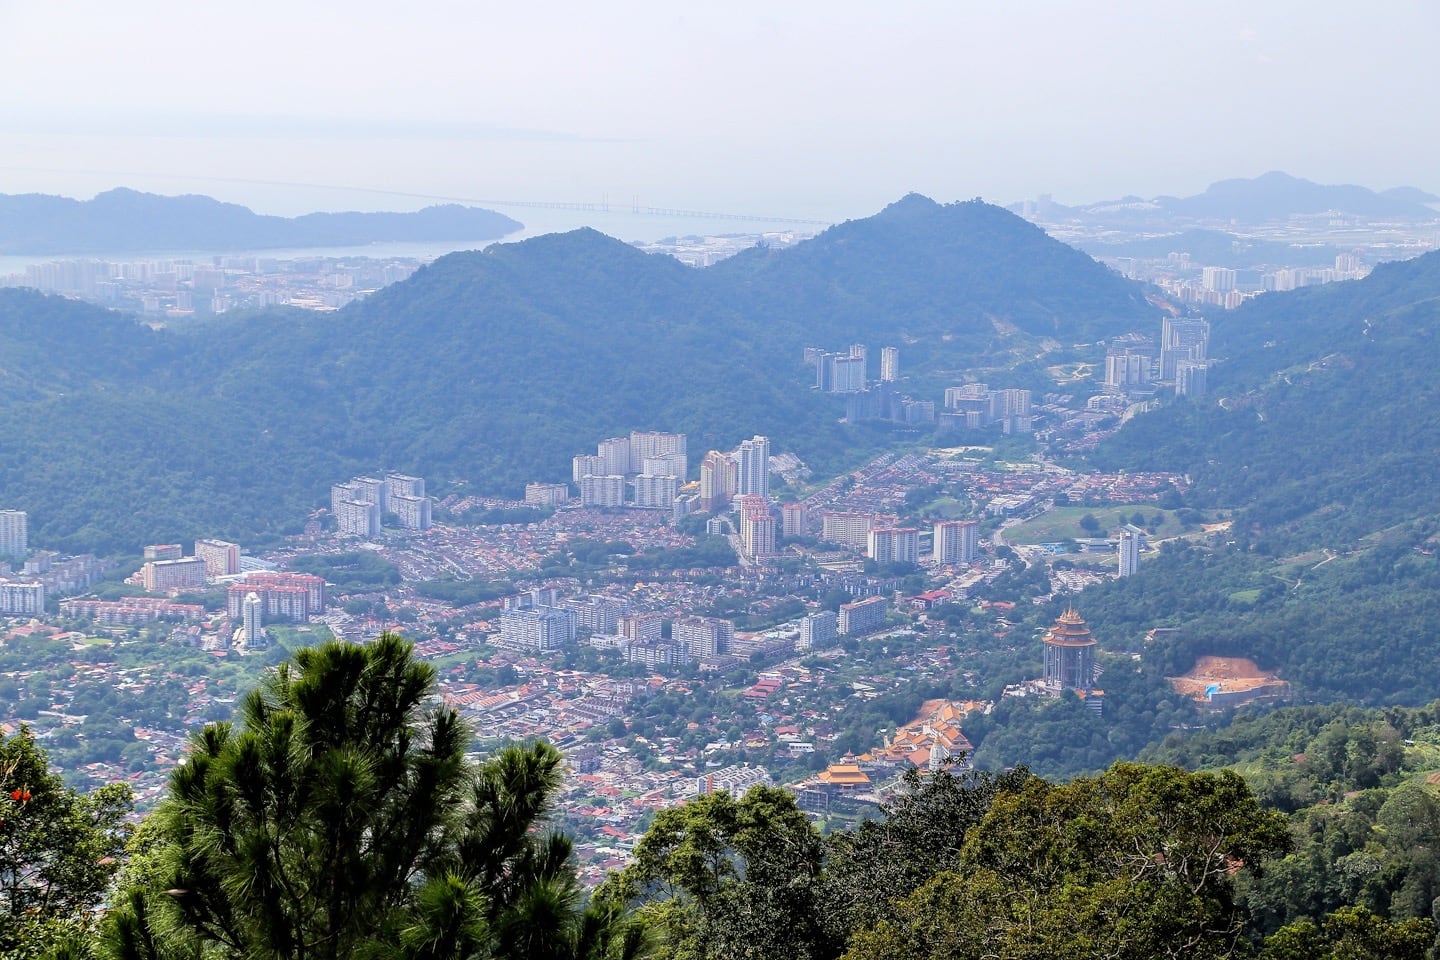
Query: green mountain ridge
(491,368)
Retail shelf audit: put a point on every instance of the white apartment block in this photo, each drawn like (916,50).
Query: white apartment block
(956,541)
(602,491)
(547,494)
(14,533)
(21,599)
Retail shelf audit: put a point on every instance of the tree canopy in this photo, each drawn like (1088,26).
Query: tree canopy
(59,849)
(338,817)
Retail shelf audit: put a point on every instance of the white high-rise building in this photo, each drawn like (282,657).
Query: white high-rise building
(370,490)
(405,485)
(703,636)
(894,545)
(14,533)
(889,364)
(648,444)
(793,520)
(847,529)
(547,494)
(665,465)
(1131,539)
(956,541)
(817,630)
(20,599)
(1190,377)
(757,535)
(656,492)
(221,557)
(586,465)
(1126,369)
(252,618)
(847,374)
(1217,279)
(358,518)
(602,491)
(753,463)
(537,628)
(615,456)
(861,616)
(414,512)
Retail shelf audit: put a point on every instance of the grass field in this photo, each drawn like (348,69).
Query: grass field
(1063,523)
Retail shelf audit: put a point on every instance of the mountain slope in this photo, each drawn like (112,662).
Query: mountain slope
(919,272)
(493,368)
(127,221)
(1322,433)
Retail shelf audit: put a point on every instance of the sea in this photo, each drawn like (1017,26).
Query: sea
(623,224)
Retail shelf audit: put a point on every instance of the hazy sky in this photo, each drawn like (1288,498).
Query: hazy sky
(789,107)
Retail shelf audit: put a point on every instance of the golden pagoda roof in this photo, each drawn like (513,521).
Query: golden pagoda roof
(844,773)
(1069,631)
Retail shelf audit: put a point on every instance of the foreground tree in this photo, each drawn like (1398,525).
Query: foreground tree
(722,877)
(1137,863)
(59,849)
(339,819)
(1352,933)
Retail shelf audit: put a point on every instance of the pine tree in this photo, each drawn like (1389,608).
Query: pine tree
(338,818)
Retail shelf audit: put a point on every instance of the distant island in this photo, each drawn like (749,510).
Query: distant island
(128,221)
(1269,197)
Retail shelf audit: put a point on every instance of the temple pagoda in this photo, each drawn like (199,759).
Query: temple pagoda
(1069,655)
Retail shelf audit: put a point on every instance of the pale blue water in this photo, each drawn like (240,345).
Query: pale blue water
(624,224)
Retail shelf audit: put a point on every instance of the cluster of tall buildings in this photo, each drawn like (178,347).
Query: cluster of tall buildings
(881,402)
(28,579)
(744,472)
(44,573)
(1228,288)
(839,372)
(848,371)
(167,570)
(543,620)
(18,597)
(649,466)
(953,541)
(361,505)
(1182,360)
(974,406)
(287,597)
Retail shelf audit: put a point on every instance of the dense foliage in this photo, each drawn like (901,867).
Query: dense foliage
(58,850)
(1138,862)
(340,818)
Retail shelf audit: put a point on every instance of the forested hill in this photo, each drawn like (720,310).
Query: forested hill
(127,221)
(1318,424)
(495,367)
(923,271)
